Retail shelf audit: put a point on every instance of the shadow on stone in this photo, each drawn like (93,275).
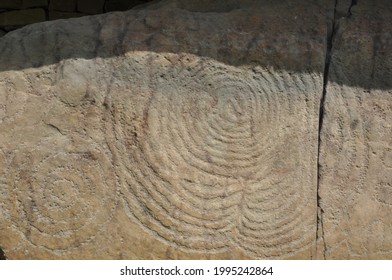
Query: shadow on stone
(289,36)
(2,255)
(254,33)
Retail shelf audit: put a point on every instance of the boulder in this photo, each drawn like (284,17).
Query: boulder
(198,130)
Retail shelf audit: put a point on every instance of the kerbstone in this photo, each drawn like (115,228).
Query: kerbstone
(193,129)
(162,133)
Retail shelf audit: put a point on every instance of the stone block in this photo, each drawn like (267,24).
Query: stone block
(165,130)
(22,17)
(194,130)
(34,3)
(22,4)
(90,6)
(63,5)
(356,137)
(11,4)
(53,15)
(121,5)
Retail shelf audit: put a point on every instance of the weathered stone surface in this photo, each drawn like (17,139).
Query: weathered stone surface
(272,39)
(356,147)
(194,130)
(194,160)
(23,17)
(162,140)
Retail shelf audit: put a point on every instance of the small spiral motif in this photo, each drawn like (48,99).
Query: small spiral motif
(214,159)
(63,197)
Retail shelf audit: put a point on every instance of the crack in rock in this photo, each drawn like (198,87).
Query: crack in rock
(319,225)
(328,56)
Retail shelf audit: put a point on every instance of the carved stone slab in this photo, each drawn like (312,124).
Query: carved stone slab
(356,139)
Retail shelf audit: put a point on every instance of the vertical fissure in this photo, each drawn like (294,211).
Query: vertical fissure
(328,55)
(320,211)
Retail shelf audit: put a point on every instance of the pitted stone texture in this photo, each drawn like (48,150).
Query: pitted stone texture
(356,147)
(194,155)
(169,133)
(200,159)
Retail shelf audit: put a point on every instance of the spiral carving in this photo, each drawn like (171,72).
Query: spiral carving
(62,195)
(214,159)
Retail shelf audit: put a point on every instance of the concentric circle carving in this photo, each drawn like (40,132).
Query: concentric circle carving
(63,195)
(215,160)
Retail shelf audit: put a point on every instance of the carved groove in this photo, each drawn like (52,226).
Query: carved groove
(205,165)
(64,198)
